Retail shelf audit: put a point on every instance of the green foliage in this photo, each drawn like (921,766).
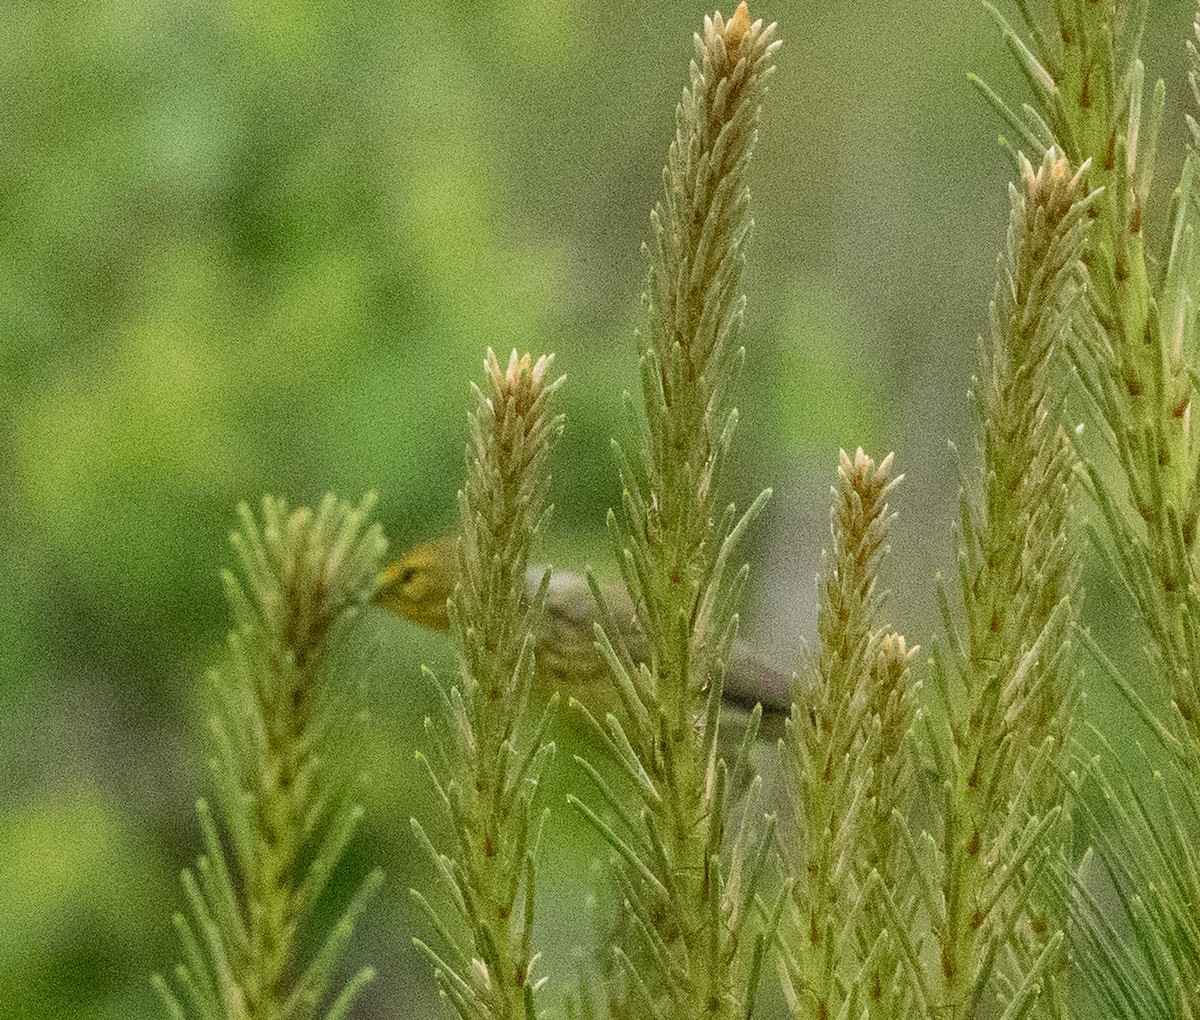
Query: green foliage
(280,709)
(1137,358)
(1140,945)
(488,759)
(942,909)
(897,909)
(927,867)
(1091,91)
(1009,682)
(691,946)
(847,761)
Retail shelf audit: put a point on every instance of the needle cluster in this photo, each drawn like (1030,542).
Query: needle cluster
(279,703)
(689,892)
(925,869)
(486,752)
(1138,363)
(847,761)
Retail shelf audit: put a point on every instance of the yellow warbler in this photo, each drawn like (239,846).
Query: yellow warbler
(418,584)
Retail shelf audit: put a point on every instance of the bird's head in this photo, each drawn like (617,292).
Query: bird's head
(417,585)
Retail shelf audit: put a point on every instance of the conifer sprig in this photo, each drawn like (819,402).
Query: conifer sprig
(1093,102)
(1140,370)
(1008,685)
(690,895)
(279,707)
(487,751)
(1139,947)
(847,764)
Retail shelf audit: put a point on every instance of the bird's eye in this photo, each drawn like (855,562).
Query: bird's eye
(408,574)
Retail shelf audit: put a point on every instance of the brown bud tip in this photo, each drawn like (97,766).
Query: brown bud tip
(737,27)
(1052,186)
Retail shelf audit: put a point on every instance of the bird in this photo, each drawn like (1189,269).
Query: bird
(417,585)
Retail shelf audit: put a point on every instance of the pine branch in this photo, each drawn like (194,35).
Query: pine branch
(280,705)
(1139,369)
(1138,360)
(1010,685)
(490,749)
(690,949)
(848,765)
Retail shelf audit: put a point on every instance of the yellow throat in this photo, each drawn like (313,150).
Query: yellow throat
(417,585)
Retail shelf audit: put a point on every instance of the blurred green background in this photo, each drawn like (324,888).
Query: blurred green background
(252,248)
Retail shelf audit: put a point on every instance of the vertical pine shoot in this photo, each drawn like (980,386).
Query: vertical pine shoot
(1094,103)
(1139,369)
(847,764)
(486,752)
(1010,686)
(279,710)
(690,891)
